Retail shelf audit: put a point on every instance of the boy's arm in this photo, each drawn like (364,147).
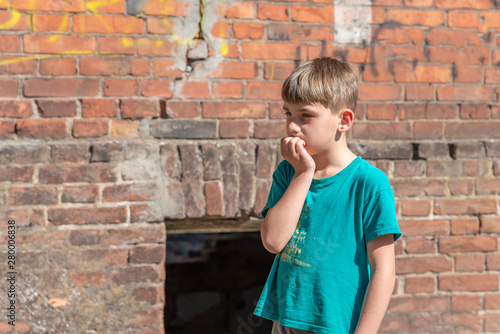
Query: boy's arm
(281,220)
(382,265)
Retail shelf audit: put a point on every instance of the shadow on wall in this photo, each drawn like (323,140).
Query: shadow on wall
(213,282)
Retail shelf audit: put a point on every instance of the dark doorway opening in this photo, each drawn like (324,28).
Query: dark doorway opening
(213,282)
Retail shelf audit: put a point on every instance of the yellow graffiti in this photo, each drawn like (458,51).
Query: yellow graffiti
(16,17)
(95,8)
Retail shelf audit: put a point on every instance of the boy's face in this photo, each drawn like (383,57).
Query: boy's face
(313,123)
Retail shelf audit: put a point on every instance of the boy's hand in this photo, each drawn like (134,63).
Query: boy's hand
(292,150)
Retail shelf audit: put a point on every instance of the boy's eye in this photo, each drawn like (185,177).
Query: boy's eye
(306,115)
(287,113)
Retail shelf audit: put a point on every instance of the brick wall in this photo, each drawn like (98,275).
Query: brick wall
(116,115)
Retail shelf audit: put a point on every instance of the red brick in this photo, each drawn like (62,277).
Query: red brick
(147,254)
(420,74)
(41,129)
(151,295)
(464,206)
(50,5)
(381,92)
(16,174)
(106,24)
(152,233)
(474,111)
(237,70)
(59,44)
(170,8)
(120,87)
(472,130)
(195,90)
(32,195)
(435,264)
(221,29)
(408,168)
(76,173)
(320,14)
(414,304)
(8,88)
(116,45)
(80,194)
(416,208)
(277,51)
(277,71)
(469,321)
(272,12)
(420,245)
(230,90)
(381,111)
(96,108)
(136,274)
(90,128)
(464,226)
(16,109)
(464,4)
(50,22)
(10,20)
(182,109)
(124,128)
(428,130)
(469,262)
(161,88)
(166,68)
(214,200)
(112,7)
(492,76)
(156,47)
(243,30)
(235,128)
(417,17)
(60,87)
(468,244)
(490,224)
(424,227)
(464,93)
(129,193)
(106,66)
(420,285)
(379,130)
(9,44)
(243,10)
(264,91)
(464,303)
(57,108)
(269,129)
(479,282)
(139,108)
(233,110)
(87,215)
(58,67)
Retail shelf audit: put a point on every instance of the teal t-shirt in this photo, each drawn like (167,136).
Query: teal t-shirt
(318,282)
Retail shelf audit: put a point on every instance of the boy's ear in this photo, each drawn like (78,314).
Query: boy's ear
(346,117)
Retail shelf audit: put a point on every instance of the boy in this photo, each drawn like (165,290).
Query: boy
(330,215)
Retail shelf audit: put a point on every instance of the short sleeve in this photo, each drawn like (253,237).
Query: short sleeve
(281,179)
(379,216)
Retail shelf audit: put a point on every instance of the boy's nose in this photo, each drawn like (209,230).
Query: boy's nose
(293,128)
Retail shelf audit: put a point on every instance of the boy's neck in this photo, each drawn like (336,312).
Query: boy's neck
(331,162)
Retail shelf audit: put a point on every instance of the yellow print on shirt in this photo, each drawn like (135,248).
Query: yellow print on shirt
(292,250)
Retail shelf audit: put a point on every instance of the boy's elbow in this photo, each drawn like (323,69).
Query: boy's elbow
(272,246)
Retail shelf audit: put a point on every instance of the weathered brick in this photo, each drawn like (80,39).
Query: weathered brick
(139,108)
(58,67)
(148,233)
(235,129)
(411,304)
(420,285)
(60,87)
(192,180)
(32,195)
(81,278)
(87,215)
(229,178)
(151,295)
(461,303)
(147,212)
(211,161)
(147,254)
(80,194)
(183,109)
(464,226)
(16,174)
(490,224)
(469,262)
(377,151)
(272,12)
(186,129)
(464,207)
(416,208)
(421,245)
(132,275)
(213,196)
(424,227)
(57,108)
(121,87)
(129,193)
(41,129)
(83,173)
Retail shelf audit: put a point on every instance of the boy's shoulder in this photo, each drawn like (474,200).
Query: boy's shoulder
(372,177)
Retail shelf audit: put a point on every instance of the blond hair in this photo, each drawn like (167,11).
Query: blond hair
(324,80)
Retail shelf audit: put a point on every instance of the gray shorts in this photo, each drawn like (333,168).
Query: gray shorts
(279,329)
